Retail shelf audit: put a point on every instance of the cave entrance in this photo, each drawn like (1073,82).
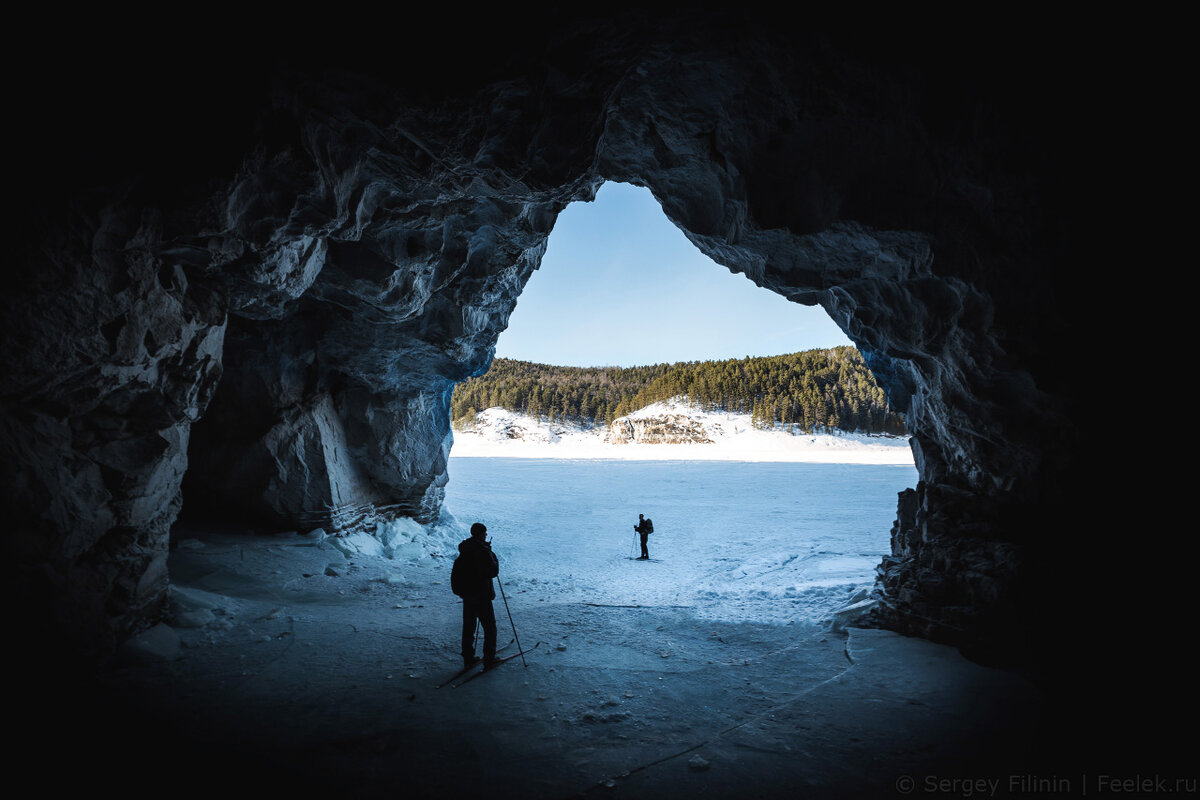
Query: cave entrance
(760,514)
(634,662)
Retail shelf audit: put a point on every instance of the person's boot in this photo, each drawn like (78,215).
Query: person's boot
(470,661)
(489,661)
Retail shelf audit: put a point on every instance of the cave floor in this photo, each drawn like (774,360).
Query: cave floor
(278,676)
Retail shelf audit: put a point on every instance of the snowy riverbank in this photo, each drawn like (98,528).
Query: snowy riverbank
(702,436)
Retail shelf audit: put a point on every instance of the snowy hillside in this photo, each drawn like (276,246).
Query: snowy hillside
(668,431)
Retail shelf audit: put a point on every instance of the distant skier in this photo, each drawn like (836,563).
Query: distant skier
(644,528)
(471,579)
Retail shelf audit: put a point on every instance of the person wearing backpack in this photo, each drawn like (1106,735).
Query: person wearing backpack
(471,579)
(644,528)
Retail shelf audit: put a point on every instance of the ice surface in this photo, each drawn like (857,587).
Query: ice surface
(759,541)
(356,544)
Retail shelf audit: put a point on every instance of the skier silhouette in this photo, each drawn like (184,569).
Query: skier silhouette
(479,565)
(644,528)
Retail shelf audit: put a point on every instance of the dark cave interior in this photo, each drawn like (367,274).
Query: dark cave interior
(233,263)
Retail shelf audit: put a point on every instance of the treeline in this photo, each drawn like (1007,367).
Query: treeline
(815,390)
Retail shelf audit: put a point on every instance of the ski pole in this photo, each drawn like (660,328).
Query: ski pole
(510,622)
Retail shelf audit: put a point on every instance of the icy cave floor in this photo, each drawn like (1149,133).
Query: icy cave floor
(295,680)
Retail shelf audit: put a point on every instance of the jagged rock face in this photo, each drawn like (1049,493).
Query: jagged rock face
(658,429)
(114,355)
(366,248)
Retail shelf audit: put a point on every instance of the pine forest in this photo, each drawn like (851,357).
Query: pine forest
(812,391)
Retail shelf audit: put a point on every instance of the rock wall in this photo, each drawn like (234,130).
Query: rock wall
(111,353)
(356,229)
(658,429)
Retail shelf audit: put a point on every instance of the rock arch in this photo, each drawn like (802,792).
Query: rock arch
(289,289)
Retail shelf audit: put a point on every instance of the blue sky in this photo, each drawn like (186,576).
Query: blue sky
(621,286)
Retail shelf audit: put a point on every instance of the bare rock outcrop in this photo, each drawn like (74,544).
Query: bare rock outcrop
(658,429)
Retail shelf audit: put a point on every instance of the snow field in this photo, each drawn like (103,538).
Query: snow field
(754,542)
(315,657)
(758,542)
(499,433)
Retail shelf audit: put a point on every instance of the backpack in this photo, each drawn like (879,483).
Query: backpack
(649,526)
(458,577)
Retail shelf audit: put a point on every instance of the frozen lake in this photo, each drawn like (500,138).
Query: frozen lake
(752,541)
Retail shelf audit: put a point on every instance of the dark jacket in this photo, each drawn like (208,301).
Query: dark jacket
(481,566)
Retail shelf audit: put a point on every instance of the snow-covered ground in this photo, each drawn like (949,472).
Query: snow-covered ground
(499,433)
(304,665)
(754,541)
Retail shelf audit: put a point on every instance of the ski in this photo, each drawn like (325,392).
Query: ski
(465,670)
(495,664)
(652,560)
(473,675)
